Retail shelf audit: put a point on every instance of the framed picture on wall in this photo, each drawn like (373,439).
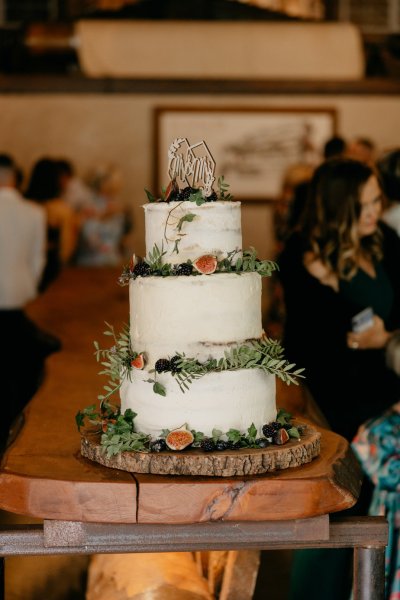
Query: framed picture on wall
(252,147)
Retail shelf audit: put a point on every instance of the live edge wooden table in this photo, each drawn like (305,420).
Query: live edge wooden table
(87,508)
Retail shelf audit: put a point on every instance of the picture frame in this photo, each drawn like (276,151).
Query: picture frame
(252,147)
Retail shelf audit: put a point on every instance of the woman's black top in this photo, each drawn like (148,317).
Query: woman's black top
(350,386)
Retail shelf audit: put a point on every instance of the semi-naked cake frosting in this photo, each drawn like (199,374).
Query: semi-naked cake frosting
(200,359)
(201,316)
(215,229)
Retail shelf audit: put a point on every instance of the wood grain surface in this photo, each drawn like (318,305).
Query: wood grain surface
(43,474)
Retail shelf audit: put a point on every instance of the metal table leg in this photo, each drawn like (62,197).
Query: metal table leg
(369,573)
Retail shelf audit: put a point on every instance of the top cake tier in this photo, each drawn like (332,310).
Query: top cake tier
(185,231)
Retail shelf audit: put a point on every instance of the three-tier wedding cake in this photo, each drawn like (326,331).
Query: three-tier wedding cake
(200,359)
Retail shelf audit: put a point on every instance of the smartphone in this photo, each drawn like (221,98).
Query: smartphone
(362,320)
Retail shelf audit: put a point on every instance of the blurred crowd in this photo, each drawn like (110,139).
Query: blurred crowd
(49,218)
(86,222)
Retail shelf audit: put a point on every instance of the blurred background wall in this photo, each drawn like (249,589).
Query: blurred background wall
(53,101)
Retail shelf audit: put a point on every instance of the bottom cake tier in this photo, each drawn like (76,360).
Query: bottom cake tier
(224,400)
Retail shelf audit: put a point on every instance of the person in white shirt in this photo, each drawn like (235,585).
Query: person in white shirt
(22,242)
(22,259)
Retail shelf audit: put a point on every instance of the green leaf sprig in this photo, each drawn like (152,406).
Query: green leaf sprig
(119,434)
(223,190)
(115,360)
(265,354)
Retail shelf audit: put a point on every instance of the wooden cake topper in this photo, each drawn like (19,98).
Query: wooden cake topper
(191,165)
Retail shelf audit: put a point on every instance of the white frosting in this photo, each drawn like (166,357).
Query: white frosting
(199,315)
(216,229)
(225,400)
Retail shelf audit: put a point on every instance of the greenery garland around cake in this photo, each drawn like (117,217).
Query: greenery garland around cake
(118,433)
(235,262)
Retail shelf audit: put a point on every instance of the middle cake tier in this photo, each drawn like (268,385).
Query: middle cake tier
(200,316)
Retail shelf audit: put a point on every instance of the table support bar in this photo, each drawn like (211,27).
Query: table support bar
(68,537)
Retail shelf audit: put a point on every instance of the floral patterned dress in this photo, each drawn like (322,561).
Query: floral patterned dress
(377,446)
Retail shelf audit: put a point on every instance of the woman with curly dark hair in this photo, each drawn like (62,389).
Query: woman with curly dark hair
(341,260)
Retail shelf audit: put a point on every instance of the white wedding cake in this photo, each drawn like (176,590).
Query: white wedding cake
(200,358)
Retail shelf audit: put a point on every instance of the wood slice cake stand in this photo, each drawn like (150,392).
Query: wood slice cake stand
(226,463)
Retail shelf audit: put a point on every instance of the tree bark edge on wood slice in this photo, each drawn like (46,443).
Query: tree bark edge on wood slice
(226,463)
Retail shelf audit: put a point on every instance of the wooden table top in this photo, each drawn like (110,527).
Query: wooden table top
(43,474)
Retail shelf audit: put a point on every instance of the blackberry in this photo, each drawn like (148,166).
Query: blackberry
(162,365)
(142,270)
(183,269)
(221,445)
(158,446)
(207,445)
(186,193)
(262,442)
(174,364)
(212,197)
(270,428)
(233,445)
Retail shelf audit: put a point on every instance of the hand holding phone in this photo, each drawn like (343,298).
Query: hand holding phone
(362,320)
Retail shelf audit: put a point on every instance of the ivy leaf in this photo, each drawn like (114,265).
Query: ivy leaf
(79,420)
(198,436)
(294,433)
(252,431)
(197,197)
(234,435)
(283,417)
(186,218)
(129,415)
(216,434)
(158,388)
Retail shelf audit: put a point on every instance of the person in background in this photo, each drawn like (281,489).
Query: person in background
(74,191)
(101,235)
(288,209)
(334,147)
(341,260)
(363,149)
(293,176)
(22,259)
(377,447)
(62,226)
(388,167)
